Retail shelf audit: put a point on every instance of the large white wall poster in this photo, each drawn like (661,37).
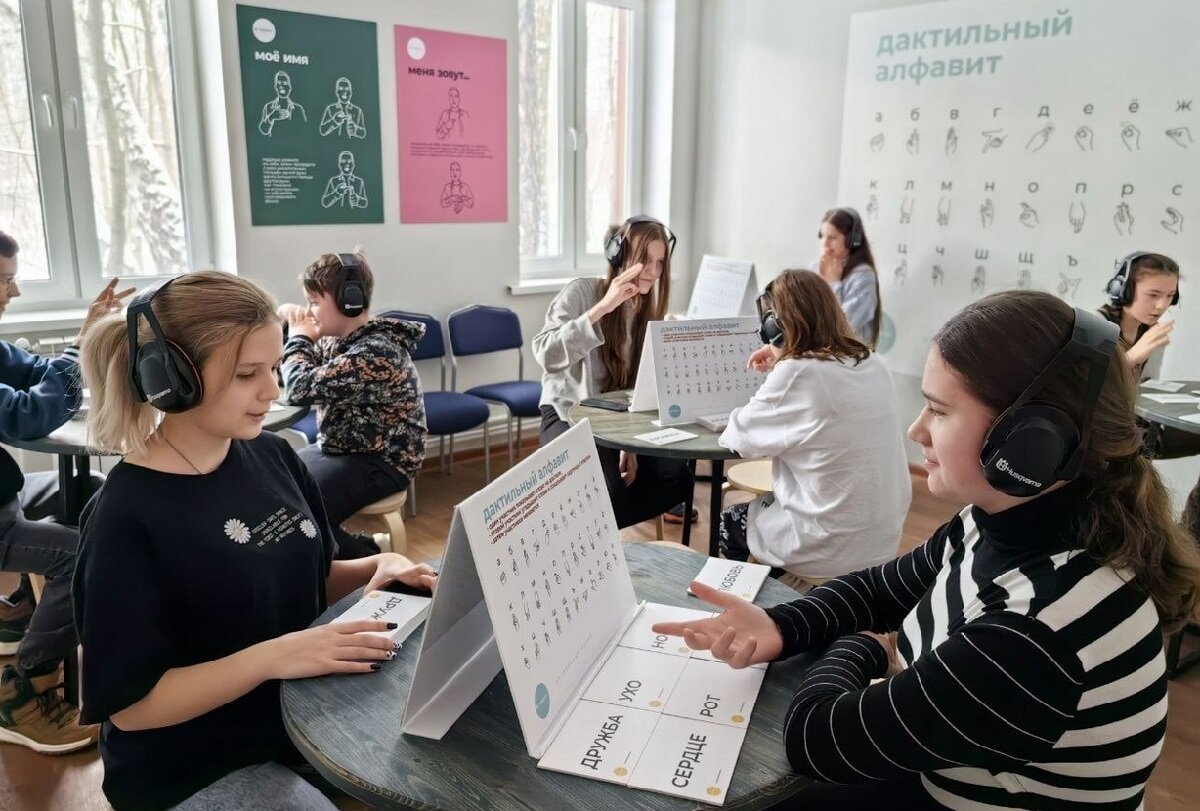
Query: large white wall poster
(1020,144)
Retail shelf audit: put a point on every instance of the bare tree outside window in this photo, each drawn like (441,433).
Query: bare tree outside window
(129,107)
(20,197)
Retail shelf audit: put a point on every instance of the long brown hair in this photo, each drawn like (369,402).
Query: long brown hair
(997,346)
(842,220)
(624,329)
(812,321)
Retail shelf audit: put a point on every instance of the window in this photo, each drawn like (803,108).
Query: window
(91,147)
(580,132)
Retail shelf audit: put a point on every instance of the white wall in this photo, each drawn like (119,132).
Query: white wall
(772,74)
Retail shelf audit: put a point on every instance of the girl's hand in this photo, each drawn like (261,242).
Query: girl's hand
(1154,338)
(622,288)
(627,466)
(339,647)
(742,634)
(390,567)
(888,641)
(763,360)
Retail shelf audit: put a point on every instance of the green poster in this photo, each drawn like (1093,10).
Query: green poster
(310,96)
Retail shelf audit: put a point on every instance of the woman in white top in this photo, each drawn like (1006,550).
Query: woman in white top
(848,266)
(827,417)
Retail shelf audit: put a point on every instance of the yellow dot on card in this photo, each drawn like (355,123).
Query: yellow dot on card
(745,595)
(684,649)
(620,771)
(713,791)
(738,719)
(372,595)
(656,703)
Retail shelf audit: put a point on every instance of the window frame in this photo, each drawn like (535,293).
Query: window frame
(64,175)
(577,258)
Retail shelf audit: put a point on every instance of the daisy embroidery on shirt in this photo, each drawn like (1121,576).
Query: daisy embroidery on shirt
(308,528)
(237,531)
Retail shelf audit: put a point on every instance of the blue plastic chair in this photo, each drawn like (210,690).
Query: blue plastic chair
(446,412)
(479,330)
(307,425)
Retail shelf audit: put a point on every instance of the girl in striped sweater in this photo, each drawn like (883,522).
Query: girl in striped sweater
(1028,669)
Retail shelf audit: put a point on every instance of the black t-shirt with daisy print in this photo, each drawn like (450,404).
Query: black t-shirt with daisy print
(176,570)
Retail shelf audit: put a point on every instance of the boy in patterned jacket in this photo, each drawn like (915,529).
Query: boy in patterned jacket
(358,372)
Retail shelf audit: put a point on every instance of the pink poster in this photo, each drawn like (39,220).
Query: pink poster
(452,106)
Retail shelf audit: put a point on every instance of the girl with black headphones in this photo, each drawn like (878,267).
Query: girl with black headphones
(1028,669)
(592,342)
(827,417)
(848,265)
(205,557)
(1139,293)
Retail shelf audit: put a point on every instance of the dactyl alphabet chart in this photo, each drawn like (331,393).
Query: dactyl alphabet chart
(534,581)
(701,366)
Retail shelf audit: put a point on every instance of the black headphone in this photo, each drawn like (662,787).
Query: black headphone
(1032,445)
(769,328)
(160,372)
(351,293)
(1120,291)
(856,237)
(614,249)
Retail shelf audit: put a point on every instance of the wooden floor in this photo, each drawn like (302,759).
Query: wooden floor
(30,781)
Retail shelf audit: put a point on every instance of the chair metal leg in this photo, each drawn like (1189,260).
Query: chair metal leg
(450,464)
(518,445)
(442,454)
(487,455)
(509,437)
(412,499)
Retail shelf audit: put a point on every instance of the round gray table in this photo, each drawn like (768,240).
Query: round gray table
(348,727)
(1170,413)
(69,443)
(617,429)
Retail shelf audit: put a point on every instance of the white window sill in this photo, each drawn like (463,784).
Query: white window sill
(36,322)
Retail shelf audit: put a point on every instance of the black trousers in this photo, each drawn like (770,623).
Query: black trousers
(660,483)
(348,483)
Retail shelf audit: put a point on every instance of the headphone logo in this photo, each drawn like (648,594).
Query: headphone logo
(1005,467)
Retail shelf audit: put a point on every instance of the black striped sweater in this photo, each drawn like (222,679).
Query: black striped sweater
(1033,675)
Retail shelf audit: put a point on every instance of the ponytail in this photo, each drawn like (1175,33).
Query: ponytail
(118,422)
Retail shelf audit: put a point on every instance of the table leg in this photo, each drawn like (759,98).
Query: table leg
(66,486)
(714,508)
(686,540)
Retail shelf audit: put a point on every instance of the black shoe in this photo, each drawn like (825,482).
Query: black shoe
(675,514)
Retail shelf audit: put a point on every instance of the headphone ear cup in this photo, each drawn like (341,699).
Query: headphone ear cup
(167,377)
(614,251)
(1025,451)
(352,299)
(769,329)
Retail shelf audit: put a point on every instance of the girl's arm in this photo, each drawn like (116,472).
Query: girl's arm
(184,693)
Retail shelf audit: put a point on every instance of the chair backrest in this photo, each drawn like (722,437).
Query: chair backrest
(480,329)
(432,345)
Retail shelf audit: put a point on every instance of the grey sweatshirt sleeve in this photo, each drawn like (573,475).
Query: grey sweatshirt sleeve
(858,300)
(568,335)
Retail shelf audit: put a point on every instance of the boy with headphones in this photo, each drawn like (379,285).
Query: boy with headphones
(38,395)
(358,372)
